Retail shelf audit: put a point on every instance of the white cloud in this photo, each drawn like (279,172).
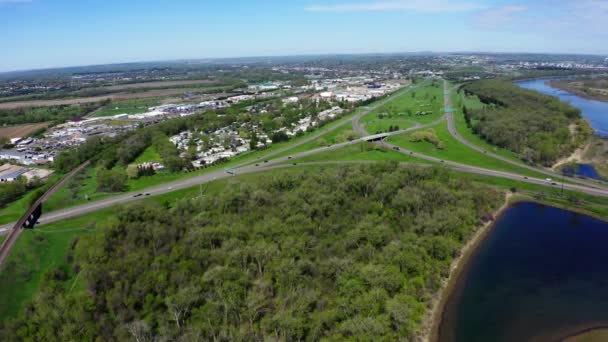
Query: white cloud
(403,5)
(498,17)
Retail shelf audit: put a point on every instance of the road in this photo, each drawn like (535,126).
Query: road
(17,228)
(286,162)
(356,118)
(452,129)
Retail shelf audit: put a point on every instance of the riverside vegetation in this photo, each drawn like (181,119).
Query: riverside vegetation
(539,128)
(344,253)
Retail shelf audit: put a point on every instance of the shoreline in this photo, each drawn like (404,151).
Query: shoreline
(585,332)
(432,323)
(434,317)
(574,91)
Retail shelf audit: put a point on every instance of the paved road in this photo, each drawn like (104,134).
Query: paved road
(285,162)
(452,129)
(356,118)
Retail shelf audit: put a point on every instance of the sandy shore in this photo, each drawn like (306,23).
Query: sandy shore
(576,157)
(432,321)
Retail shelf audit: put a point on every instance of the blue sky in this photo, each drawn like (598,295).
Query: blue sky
(53,33)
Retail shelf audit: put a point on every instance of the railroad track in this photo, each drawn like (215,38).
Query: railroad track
(13,235)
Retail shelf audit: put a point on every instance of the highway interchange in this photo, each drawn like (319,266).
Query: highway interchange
(265,163)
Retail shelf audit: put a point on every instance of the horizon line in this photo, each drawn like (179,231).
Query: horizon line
(211,59)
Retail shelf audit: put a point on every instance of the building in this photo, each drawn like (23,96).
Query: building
(10,173)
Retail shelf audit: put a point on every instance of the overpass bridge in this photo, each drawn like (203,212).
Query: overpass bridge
(31,216)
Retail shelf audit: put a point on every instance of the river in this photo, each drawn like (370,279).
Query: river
(540,274)
(596,112)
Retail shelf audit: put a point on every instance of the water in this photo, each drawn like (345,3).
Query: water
(584,170)
(541,274)
(596,112)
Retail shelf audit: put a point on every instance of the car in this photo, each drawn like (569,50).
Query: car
(525,177)
(257,164)
(147,194)
(289,157)
(553,183)
(265,161)
(138,195)
(442,161)
(396,148)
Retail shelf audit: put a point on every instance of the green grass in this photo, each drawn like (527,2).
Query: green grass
(148,155)
(75,191)
(404,107)
(467,133)
(363,151)
(65,198)
(329,138)
(131,106)
(457,152)
(16,209)
(35,253)
(383,125)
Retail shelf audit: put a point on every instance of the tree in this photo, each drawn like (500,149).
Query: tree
(253,142)
(132,171)
(111,180)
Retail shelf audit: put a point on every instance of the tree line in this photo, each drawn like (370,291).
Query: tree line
(351,252)
(539,128)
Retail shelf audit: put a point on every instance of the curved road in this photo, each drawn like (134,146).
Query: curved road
(454,132)
(285,162)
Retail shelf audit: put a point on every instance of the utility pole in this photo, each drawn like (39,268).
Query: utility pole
(563,176)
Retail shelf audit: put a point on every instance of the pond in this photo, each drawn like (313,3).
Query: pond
(540,274)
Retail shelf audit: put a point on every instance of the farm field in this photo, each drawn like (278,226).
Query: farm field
(132,106)
(112,97)
(21,131)
(159,84)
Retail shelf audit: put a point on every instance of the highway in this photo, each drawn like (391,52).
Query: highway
(356,118)
(452,129)
(290,161)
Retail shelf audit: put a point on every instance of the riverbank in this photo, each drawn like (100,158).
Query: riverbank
(432,322)
(596,334)
(594,153)
(578,88)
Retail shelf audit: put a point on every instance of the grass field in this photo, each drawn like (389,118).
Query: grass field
(35,253)
(80,189)
(148,155)
(457,152)
(132,106)
(473,102)
(383,125)
(16,209)
(402,111)
(363,151)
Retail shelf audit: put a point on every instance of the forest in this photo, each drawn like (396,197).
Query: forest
(352,252)
(539,128)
